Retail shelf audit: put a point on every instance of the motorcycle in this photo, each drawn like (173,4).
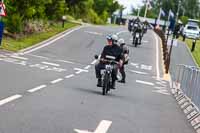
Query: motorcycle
(107,73)
(136,38)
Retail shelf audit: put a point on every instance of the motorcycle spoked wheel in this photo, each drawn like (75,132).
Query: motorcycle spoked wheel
(106,85)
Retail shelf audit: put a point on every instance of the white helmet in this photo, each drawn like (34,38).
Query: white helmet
(121,41)
(114,38)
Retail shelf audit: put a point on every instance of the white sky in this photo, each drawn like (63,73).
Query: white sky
(129,3)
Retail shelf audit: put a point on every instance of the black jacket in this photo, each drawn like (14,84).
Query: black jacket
(113,50)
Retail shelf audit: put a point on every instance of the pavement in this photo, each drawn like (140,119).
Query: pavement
(180,55)
(52,89)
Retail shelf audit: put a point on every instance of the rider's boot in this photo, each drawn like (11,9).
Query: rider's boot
(113,85)
(99,83)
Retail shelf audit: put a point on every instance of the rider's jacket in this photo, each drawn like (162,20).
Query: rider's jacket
(113,50)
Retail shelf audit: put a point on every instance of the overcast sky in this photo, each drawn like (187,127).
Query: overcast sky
(129,3)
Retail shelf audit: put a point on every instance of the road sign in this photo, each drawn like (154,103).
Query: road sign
(2,9)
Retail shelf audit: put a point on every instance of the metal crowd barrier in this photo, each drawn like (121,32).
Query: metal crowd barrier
(186,87)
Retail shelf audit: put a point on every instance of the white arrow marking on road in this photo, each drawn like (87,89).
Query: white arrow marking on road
(102,128)
(80,70)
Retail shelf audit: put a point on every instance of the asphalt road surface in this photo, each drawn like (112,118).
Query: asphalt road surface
(52,88)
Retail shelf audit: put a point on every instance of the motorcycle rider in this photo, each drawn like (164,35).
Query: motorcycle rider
(112,49)
(138,29)
(125,59)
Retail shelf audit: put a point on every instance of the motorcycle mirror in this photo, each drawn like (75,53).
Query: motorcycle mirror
(96,56)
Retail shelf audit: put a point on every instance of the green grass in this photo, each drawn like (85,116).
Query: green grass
(16,45)
(196,52)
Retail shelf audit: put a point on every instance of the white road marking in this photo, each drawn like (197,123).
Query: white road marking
(2,56)
(145,41)
(56,69)
(37,88)
(144,82)
(56,81)
(138,72)
(121,32)
(94,33)
(134,64)
(102,127)
(9,99)
(38,56)
(52,41)
(94,62)
(146,67)
(87,67)
(80,70)
(69,76)
(161,91)
(52,64)
(66,61)
(159,83)
(157,57)
(18,57)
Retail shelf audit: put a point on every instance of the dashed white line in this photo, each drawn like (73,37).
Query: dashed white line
(18,57)
(69,76)
(9,99)
(52,64)
(56,81)
(138,72)
(87,67)
(37,88)
(94,62)
(66,61)
(144,82)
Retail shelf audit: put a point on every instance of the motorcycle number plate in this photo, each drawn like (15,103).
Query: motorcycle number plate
(137,35)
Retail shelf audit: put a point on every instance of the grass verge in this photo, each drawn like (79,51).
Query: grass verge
(196,52)
(30,40)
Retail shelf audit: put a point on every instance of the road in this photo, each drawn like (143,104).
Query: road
(52,89)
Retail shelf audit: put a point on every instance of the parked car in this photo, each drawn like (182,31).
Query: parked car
(191,31)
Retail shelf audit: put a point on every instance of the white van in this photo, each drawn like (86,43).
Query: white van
(191,31)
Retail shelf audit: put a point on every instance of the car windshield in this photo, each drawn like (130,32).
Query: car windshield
(192,28)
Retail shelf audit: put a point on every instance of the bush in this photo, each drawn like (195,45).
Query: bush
(14,23)
(93,17)
(184,19)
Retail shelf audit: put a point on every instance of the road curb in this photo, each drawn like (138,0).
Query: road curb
(165,75)
(48,40)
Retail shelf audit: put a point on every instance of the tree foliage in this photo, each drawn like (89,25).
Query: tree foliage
(19,12)
(188,8)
